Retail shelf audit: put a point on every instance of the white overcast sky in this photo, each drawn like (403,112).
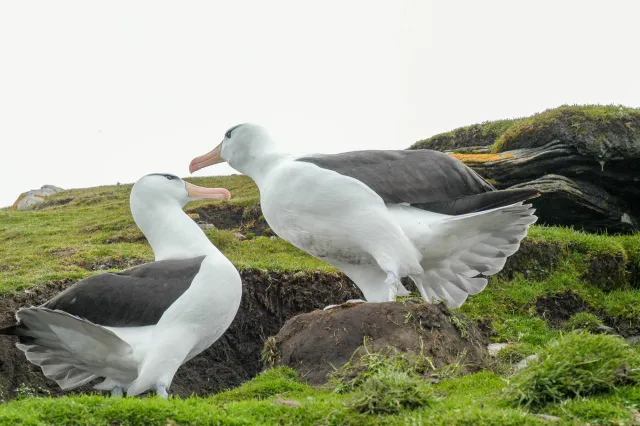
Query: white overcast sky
(99,92)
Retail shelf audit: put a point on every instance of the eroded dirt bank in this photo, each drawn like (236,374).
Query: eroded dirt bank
(269,299)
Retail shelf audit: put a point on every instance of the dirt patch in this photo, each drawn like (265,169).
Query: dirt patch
(51,203)
(268,300)
(535,260)
(106,263)
(316,342)
(15,370)
(126,237)
(607,271)
(63,252)
(558,308)
(243,219)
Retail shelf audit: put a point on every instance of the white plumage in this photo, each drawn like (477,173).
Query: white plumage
(378,215)
(145,351)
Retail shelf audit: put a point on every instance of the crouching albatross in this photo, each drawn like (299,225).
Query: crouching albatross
(137,327)
(381,215)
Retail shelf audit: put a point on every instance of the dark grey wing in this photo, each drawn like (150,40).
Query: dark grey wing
(134,297)
(426,179)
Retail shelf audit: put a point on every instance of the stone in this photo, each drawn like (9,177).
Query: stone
(523,364)
(34,197)
(494,348)
(548,417)
(633,340)
(286,402)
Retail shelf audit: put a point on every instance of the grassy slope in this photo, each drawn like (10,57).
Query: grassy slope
(500,135)
(95,228)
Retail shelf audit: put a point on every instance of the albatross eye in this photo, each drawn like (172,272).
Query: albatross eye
(228,134)
(170,177)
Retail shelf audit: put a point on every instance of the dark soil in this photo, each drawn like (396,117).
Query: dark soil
(608,272)
(126,237)
(269,299)
(51,203)
(535,260)
(314,343)
(226,216)
(103,264)
(558,308)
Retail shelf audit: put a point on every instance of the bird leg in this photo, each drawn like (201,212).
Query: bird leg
(392,281)
(161,390)
(116,392)
(348,303)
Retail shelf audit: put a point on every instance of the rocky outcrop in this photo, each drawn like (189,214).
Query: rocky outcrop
(584,160)
(34,197)
(315,343)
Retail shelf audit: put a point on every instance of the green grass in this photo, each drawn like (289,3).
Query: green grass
(391,391)
(584,321)
(95,230)
(576,365)
(278,397)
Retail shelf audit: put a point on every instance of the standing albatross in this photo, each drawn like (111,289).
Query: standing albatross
(381,215)
(137,327)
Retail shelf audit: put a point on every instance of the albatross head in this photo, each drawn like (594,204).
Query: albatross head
(242,144)
(168,187)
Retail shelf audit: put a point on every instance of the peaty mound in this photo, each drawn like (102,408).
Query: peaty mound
(317,342)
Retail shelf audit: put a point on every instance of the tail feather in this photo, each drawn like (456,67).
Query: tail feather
(456,249)
(71,350)
(57,365)
(8,330)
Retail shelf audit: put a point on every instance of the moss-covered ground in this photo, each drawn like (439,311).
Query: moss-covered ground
(567,120)
(278,397)
(87,231)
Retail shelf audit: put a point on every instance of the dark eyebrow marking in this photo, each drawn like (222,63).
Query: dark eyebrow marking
(228,134)
(166,175)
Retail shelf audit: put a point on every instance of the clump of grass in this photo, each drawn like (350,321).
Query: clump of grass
(512,354)
(584,321)
(460,321)
(576,364)
(389,391)
(270,382)
(361,367)
(270,353)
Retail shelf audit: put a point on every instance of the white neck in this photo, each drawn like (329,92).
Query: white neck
(257,165)
(171,233)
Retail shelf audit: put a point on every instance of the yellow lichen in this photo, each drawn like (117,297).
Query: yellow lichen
(15,205)
(481,158)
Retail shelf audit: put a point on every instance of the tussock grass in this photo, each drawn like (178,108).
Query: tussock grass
(365,364)
(390,391)
(575,365)
(585,321)
(273,381)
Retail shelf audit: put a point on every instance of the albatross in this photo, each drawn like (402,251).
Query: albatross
(380,215)
(135,328)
